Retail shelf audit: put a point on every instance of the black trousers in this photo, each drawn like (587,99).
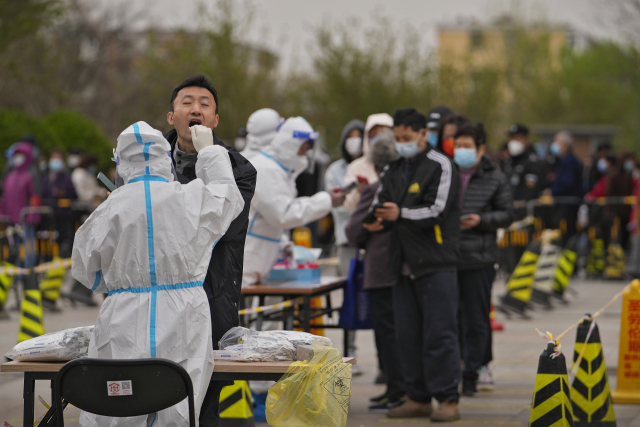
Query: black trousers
(385,334)
(426,311)
(209,414)
(475,330)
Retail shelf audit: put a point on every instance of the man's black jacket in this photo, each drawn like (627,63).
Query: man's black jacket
(490,196)
(224,277)
(427,233)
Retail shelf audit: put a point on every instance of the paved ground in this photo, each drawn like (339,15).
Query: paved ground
(516,354)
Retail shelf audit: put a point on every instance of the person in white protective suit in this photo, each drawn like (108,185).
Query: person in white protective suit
(275,207)
(149,245)
(261,129)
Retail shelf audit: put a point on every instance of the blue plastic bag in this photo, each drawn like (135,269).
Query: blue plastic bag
(356,308)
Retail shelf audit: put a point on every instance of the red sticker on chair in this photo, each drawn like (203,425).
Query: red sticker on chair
(119,388)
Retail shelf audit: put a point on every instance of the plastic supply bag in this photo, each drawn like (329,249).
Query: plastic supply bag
(57,346)
(242,344)
(315,393)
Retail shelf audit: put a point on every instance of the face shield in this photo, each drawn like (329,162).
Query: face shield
(310,139)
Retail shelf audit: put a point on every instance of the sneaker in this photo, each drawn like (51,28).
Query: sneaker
(384,405)
(447,411)
(356,370)
(468,387)
(485,379)
(381,378)
(377,399)
(411,409)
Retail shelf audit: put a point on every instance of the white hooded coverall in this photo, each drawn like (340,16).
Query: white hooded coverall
(149,245)
(275,206)
(261,129)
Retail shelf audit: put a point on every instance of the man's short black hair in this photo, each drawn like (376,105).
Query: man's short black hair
(409,117)
(199,80)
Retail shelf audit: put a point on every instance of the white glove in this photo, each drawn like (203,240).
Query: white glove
(201,136)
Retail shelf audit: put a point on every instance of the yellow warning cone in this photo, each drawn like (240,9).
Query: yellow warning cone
(590,393)
(628,385)
(544,275)
(236,406)
(551,404)
(52,282)
(596,262)
(5,284)
(31,315)
(520,283)
(565,267)
(615,262)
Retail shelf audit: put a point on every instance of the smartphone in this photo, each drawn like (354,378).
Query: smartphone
(371,218)
(463,217)
(349,188)
(106,182)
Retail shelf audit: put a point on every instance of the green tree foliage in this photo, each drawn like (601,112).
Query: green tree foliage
(355,76)
(61,129)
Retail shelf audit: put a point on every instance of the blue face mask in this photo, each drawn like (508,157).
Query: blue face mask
(56,165)
(466,158)
(408,150)
(555,149)
(629,165)
(432,137)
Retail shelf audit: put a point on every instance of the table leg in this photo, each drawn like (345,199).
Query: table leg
(29,398)
(306,313)
(345,342)
(259,321)
(290,313)
(327,299)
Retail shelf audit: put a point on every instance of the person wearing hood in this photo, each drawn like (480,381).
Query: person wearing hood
(486,204)
(362,167)
(351,149)
(275,206)
(261,129)
(351,143)
(152,266)
(57,187)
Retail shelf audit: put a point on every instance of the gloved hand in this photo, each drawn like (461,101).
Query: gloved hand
(201,136)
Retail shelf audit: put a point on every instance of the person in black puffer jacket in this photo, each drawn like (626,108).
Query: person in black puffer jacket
(486,204)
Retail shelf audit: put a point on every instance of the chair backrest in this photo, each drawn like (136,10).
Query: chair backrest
(124,388)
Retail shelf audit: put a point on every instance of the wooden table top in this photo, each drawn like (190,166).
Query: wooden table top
(218,366)
(326,283)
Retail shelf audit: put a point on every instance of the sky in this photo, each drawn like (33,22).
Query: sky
(286,27)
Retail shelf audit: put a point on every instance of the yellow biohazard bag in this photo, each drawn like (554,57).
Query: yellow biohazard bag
(314,393)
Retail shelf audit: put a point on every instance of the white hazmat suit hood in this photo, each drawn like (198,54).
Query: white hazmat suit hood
(148,246)
(275,206)
(262,127)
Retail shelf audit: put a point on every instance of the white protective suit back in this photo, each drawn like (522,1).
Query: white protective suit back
(262,127)
(275,207)
(148,246)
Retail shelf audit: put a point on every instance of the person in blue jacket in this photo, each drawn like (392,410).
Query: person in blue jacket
(567,184)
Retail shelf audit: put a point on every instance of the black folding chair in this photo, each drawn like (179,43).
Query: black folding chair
(102,387)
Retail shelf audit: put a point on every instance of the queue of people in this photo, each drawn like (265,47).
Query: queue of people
(193,220)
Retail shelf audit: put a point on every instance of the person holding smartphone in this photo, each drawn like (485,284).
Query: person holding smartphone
(486,203)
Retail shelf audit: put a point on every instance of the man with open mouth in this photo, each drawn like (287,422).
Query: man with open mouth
(195,102)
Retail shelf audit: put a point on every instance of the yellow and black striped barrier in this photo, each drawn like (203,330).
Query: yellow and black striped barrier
(520,284)
(12,270)
(5,285)
(262,309)
(31,315)
(236,406)
(52,282)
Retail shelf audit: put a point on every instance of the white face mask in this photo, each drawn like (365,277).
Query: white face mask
(353,146)
(73,160)
(19,159)
(515,147)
